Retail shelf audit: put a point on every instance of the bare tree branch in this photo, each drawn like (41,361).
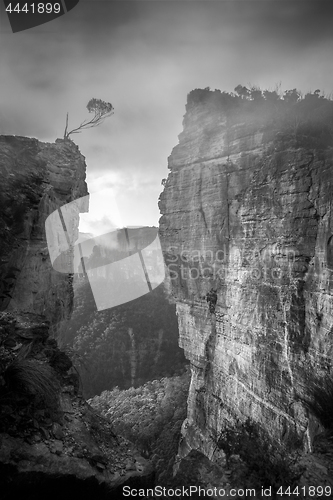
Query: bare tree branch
(65,133)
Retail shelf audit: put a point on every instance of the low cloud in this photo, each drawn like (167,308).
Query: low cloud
(144,57)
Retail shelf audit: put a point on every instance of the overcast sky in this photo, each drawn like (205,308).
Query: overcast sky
(144,57)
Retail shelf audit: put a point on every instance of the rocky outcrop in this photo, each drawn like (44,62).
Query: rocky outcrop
(36,179)
(51,441)
(246,230)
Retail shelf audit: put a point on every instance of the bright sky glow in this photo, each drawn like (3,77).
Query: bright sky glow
(144,57)
(103,216)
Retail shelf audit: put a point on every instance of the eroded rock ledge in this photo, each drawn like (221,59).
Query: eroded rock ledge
(246,215)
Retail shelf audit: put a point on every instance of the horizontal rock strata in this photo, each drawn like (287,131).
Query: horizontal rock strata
(246,230)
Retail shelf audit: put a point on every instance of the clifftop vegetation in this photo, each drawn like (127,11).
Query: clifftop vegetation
(306,120)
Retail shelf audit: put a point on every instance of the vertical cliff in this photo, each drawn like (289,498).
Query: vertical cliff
(36,179)
(52,443)
(247,234)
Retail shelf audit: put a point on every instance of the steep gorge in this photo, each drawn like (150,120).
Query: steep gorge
(246,231)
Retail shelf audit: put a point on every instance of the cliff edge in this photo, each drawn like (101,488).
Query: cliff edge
(36,179)
(247,235)
(52,443)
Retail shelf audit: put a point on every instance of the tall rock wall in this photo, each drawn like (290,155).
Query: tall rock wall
(246,230)
(36,179)
(52,443)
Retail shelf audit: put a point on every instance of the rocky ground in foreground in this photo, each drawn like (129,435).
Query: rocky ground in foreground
(314,470)
(62,437)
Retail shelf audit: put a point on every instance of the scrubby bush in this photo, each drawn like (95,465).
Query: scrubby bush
(29,387)
(30,378)
(267,463)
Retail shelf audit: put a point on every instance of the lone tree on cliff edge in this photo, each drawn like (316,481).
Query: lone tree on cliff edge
(101,110)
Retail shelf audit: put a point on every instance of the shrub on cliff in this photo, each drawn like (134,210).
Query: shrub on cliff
(267,463)
(29,387)
(242,91)
(28,377)
(29,397)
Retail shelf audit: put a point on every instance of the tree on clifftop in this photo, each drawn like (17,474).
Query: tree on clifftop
(243,92)
(101,110)
(292,96)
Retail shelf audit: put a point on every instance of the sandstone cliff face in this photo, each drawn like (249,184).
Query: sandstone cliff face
(52,444)
(246,212)
(36,179)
